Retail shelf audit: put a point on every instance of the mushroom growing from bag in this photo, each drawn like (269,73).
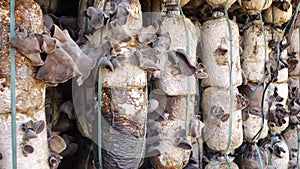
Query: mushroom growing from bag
(255,6)
(216,115)
(251,158)
(177,70)
(216,53)
(253,57)
(59,67)
(252,115)
(294,51)
(280,153)
(278,114)
(282,12)
(30,91)
(221,163)
(291,137)
(83,63)
(124,93)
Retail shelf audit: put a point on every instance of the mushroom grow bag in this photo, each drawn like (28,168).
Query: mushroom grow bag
(30,92)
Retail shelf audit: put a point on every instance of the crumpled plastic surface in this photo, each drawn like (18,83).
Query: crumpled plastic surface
(123,121)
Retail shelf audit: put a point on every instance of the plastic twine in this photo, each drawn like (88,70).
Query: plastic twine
(294,19)
(13,87)
(259,156)
(99,109)
(99,117)
(189,79)
(145,131)
(257,135)
(88,157)
(230,85)
(230,76)
(187,112)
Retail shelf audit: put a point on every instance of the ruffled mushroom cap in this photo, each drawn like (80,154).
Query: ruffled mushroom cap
(25,42)
(118,33)
(47,43)
(280,153)
(146,59)
(186,65)
(56,144)
(192,6)
(27,149)
(255,5)
(147,34)
(201,71)
(54,161)
(32,129)
(282,13)
(28,44)
(250,158)
(96,18)
(196,127)
(152,105)
(162,43)
(59,67)
(68,108)
(70,150)
(182,141)
(83,63)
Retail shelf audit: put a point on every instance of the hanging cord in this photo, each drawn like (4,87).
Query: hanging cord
(99,116)
(270,156)
(294,20)
(189,79)
(145,131)
(298,132)
(187,111)
(230,75)
(99,123)
(143,147)
(278,53)
(231,85)
(257,135)
(259,156)
(13,87)
(88,157)
(99,109)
